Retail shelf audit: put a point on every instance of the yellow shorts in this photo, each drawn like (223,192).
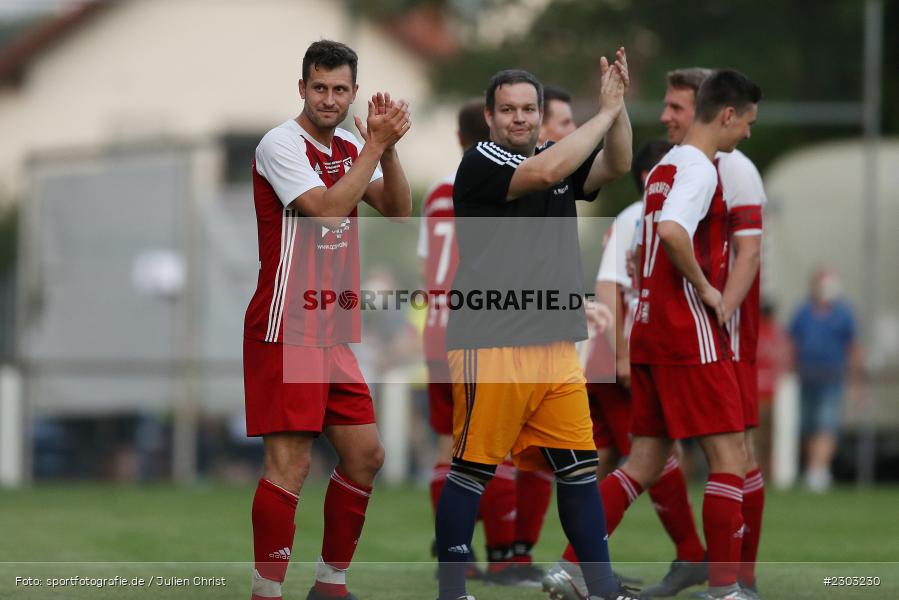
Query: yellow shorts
(518,399)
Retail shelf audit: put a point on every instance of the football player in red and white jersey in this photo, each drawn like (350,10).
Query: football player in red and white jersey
(438,259)
(300,377)
(682,375)
(745,196)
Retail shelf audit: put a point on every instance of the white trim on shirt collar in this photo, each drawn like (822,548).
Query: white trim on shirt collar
(308,136)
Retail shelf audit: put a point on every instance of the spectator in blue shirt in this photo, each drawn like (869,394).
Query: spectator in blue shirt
(823,332)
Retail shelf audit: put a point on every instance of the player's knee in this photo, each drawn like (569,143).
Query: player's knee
(288,475)
(366,463)
(649,475)
(470,475)
(572,466)
(376,459)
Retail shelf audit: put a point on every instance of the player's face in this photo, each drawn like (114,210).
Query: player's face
(328,95)
(737,127)
(516,117)
(558,121)
(677,116)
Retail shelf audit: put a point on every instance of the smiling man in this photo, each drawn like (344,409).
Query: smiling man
(301,379)
(517,383)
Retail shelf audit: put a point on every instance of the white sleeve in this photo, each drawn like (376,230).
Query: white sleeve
(347,135)
(608,263)
(613,266)
(423,237)
(741,181)
(285,166)
(690,196)
(743,191)
(638,234)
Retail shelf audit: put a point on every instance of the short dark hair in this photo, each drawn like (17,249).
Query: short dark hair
(722,88)
(552,92)
(511,77)
(689,78)
(472,124)
(329,55)
(646,158)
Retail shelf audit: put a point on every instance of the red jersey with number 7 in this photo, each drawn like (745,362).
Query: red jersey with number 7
(437,248)
(672,326)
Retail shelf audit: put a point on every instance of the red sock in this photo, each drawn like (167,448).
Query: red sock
(533,492)
(722,522)
(497,511)
(753,506)
(672,504)
(273,528)
(345,504)
(438,479)
(618,491)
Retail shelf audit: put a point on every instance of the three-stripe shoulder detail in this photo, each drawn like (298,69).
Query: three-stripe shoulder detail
(499,155)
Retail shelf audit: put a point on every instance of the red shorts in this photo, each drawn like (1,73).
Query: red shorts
(610,410)
(748,380)
(299,388)
(683,401)
(440,398)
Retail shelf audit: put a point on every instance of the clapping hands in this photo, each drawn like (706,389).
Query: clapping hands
(387,122)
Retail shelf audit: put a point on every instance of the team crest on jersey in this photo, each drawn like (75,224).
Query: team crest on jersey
(318,169)
(333,167)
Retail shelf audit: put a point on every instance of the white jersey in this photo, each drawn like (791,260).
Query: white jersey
(613,266)
(622,238)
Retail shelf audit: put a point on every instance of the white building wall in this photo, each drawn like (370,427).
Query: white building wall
(194,69)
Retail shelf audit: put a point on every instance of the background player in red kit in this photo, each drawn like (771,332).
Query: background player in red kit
(683,381)
(301,379)
(439,259)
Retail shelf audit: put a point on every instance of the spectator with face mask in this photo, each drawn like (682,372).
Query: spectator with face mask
(825,352)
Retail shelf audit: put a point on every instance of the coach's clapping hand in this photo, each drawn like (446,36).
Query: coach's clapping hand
(611,93)
(387,121)
(621,66)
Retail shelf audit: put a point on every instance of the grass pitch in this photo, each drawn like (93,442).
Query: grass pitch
(168,542)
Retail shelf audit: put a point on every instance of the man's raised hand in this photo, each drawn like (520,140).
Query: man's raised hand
(611,93)
(387,120)
(621,66)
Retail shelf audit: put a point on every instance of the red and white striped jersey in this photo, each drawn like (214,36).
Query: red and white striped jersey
(437,247)
(744,195)
(303,267)
(672,326)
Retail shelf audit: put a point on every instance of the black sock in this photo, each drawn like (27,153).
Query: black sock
(584,522)
(457,511)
